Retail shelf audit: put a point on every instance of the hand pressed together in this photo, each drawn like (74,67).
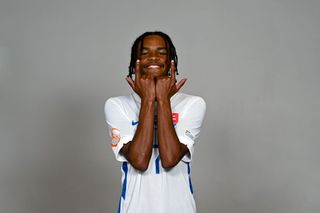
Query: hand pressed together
(143,85)
(166,86)
(159,88)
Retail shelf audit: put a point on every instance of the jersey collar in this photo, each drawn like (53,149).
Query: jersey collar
(137,98)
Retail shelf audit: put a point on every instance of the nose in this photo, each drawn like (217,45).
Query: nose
(153,57)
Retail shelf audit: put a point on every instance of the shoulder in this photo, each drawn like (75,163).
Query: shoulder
(119,99)
(118,102)
(189,100)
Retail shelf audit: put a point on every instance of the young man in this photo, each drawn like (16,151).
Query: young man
(153,131)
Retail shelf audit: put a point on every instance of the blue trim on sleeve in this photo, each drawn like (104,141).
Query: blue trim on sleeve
(119,205)
(124,184)
(190,184)
(158,165)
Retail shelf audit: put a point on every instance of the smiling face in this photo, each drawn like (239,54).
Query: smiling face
(154,58)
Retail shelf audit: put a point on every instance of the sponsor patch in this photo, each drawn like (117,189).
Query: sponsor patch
(189,134)
(115,134)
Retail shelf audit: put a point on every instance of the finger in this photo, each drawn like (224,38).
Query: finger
(130,82)
(173,71)
(137,69)
(181,83)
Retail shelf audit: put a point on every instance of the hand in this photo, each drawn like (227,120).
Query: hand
(166,86)
(144,86)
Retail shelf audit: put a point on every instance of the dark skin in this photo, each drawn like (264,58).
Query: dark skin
(153,84)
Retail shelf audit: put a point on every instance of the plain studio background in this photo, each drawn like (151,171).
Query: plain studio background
(256,63)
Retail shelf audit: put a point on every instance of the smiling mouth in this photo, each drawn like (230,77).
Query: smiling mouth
(153,66)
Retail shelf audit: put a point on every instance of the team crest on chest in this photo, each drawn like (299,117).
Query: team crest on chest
(175,118)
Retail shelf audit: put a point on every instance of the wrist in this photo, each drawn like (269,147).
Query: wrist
(163,100)
(148,100)
(162,97)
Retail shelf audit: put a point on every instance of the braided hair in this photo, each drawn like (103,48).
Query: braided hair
(136,50)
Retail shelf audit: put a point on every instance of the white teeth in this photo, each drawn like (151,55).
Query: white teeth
(153,66)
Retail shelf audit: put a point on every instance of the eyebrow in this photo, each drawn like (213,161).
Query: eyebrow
(159,48)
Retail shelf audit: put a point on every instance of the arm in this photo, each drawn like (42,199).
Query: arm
(170,148)
(138,151)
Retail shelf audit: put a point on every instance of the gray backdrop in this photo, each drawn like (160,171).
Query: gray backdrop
(256,63)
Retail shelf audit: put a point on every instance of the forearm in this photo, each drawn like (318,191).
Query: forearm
(170,148)
(139,150)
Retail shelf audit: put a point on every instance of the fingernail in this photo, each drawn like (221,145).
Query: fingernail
(138,60)
(172,61)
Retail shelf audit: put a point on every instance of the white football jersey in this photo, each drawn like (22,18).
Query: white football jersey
(155,190)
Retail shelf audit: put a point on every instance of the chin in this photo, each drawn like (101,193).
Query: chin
(155,73)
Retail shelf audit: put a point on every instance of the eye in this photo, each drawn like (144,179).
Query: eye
(163,52)
(144,51)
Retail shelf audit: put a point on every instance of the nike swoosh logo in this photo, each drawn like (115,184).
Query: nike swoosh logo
(133,123)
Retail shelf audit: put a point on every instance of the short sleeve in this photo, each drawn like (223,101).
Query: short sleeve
(119,126)
(189,125)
